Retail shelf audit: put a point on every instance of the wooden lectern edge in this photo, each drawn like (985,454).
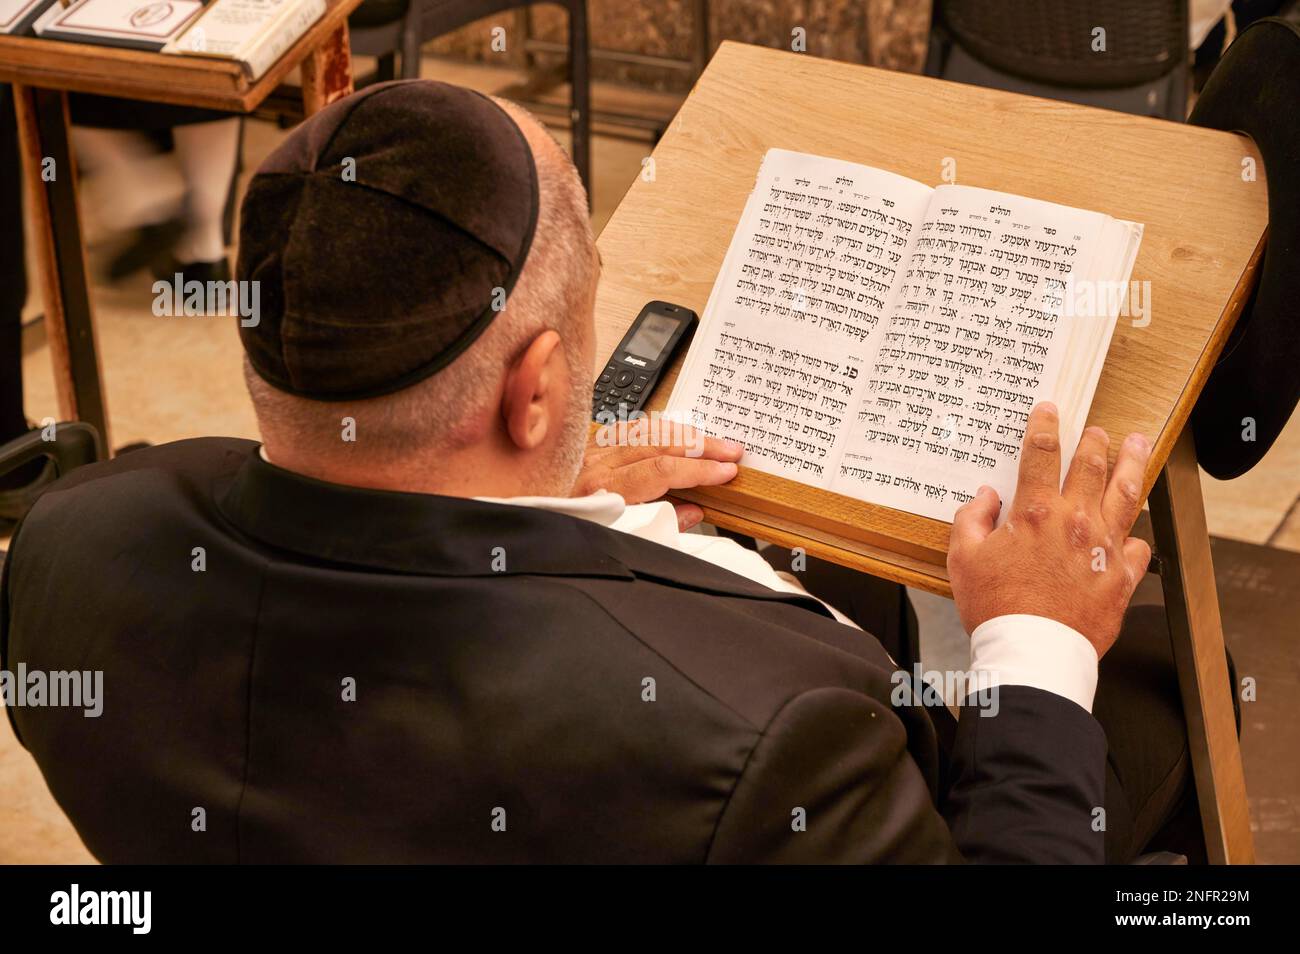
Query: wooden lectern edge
(854,554)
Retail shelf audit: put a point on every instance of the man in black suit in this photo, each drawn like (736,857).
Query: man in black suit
(414,625)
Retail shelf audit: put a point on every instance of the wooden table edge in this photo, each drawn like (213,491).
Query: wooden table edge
(168,79)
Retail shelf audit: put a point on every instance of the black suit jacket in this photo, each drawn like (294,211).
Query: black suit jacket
(501,658)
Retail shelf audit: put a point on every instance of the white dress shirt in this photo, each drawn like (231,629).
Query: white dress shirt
(1015,650)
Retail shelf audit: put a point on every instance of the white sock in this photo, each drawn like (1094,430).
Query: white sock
(207,153)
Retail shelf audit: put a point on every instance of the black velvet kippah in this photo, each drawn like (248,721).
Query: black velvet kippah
(383,232)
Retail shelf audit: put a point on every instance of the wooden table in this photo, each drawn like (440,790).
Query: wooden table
(1201,251)
(43,72)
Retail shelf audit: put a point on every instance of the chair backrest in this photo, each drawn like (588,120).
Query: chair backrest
(74,444)
(1054,41)
(375,27)
(1255,386)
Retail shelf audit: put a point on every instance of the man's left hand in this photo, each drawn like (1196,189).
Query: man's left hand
(641,464)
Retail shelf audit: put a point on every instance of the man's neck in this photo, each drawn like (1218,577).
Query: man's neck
(450,475)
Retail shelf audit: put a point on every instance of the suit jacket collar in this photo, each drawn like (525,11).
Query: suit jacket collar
(427,534)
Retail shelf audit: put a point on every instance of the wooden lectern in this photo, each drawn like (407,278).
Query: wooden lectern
(1205,223)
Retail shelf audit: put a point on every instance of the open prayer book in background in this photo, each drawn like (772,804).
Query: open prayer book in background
(135,24)
(252,33)
(881,339)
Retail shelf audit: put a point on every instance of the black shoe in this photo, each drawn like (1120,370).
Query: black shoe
(151,244)
(203,272)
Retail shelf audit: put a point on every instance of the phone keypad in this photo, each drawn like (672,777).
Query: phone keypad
(618,391)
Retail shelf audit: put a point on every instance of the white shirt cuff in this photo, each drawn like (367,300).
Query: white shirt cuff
(1023,650)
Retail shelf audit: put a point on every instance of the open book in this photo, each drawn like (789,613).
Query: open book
(253,33)
(136,24)
(885,340)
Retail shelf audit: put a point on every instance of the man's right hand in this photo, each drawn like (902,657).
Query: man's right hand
(1063,552)
(643,463)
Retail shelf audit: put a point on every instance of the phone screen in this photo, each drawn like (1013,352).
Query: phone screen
(652,335)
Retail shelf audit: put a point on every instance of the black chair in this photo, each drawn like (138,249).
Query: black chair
(1045,48)
(386,28)
(1255,90)
(75,444)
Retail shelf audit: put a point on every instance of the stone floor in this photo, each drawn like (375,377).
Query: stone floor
(182,379)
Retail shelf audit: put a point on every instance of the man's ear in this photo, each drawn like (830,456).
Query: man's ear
(532,385)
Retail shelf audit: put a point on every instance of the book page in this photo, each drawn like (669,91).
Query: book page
(254,32)
(975,338)
(783,345)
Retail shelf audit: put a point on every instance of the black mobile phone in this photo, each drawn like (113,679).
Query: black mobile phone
(640,358)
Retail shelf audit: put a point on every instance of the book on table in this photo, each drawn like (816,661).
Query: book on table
(881,339)
(252,33)
(135,24)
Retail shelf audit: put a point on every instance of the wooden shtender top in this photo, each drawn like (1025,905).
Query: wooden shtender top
(1203,240)
(155,77)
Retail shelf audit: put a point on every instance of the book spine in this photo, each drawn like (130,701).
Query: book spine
(276,41)
(149,46)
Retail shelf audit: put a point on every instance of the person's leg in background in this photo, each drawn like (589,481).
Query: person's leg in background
(177,220)
(1210,50)
(1151,800)
(133,189)
(208,154)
